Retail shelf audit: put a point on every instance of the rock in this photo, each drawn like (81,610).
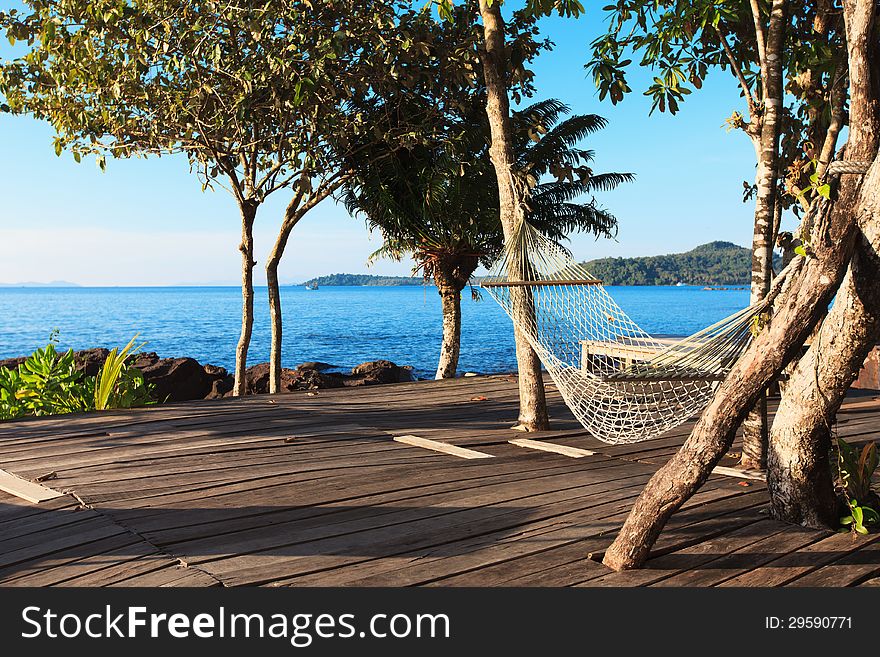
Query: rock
(177,379)
(216,370)
(184,379)
(257,377)
(221,387)
(310,379)
(315,365)
(12,363)
(90,361)
(379,371)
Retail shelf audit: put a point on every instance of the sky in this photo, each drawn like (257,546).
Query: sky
(147,222)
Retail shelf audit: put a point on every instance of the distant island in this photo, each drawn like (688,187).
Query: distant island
(363,280)
(712,264)
(716,264)
(34,284)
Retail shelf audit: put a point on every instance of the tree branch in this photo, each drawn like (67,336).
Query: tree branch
(761,42)
(734,65)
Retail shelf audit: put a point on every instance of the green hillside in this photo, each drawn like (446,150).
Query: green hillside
(364,279)
(715,263)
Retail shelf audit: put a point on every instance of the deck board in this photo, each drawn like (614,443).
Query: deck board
(300,490)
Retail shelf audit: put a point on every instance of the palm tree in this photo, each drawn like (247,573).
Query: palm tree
(438,202)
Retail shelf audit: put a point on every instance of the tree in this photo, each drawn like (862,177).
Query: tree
(809,286)
(439,202)
(768,48)
(248,93)
(495,59)
(378,50)
(799,476)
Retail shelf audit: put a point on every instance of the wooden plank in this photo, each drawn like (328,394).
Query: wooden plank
(789,567)
(854,568)
(321,500)
(572,452)
(739,473)
(873,404)
(56,569)
(445,543)
(445,448)
(540,283)
(489,559)
(567,574)
(752,556)
(26,490)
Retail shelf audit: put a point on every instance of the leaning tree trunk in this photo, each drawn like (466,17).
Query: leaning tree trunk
(755,432)
(808,291)
(275,317)
(450,302)
(799,473)
(532,402)
(248,214)
(293,213)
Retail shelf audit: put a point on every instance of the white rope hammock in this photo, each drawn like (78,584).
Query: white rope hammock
(623,385)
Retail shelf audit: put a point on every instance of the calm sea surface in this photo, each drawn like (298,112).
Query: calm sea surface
(343,326)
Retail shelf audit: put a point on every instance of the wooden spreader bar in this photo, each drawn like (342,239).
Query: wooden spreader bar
(583,281)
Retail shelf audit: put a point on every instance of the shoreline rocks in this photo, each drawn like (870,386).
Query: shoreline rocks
(315,376)
(185,379)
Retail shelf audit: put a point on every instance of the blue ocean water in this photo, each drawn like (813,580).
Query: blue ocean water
(343,326)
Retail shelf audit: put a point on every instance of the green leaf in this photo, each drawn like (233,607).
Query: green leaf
(800,250)
(824,191)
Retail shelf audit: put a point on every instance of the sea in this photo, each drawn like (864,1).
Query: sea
(341,326)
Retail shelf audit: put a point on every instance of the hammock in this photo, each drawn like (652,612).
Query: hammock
(622,385)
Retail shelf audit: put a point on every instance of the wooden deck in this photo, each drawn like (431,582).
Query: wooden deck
(312,489)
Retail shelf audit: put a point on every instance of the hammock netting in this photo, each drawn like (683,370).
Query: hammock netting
(623,385)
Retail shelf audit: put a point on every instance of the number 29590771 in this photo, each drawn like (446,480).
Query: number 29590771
(808,622)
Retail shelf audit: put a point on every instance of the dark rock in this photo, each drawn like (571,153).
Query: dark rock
(216,370)
(221,387)
(90,361)
(257,377)
(184,379)
(176,379)
(379,371)
(315,365)
(12,363)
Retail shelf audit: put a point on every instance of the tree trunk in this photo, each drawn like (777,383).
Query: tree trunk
(275,317)
(248,214)
(799,473)
(755,432)
(450,300)
(532,402)
(293,213)
(808,291)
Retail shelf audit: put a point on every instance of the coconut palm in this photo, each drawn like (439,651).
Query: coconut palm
(438,203)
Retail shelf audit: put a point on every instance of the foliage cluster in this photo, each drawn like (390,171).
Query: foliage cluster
(49,383)
(855,483)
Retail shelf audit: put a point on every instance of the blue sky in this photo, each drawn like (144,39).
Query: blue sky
(147,222)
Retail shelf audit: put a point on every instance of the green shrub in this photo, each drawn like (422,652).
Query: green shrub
(855,481)
(48,383)
(118,385)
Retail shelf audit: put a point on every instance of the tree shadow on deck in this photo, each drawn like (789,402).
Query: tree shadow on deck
(284,541)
